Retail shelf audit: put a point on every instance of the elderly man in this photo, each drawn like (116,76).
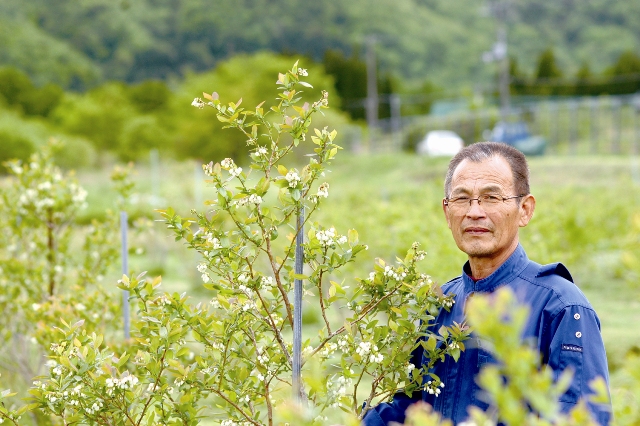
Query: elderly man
(486,201)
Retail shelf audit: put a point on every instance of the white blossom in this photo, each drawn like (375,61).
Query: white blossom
(293,178)
(198,103)
(326,237)
(323,190)
(267,283)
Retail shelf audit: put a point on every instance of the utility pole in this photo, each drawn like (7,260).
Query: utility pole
(499,10)
(505,101)
(372,85)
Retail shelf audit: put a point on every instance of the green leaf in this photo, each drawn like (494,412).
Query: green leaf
(123,359)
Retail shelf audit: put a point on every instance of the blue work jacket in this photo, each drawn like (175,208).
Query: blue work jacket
(562,324)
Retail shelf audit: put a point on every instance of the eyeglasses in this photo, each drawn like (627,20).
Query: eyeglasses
(488,201)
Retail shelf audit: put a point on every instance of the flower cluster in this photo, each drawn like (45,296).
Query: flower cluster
(97,406)
(163,300)
(433,387)
(293,178)
(125,383)
(337,388)
(230,422)
(328,238)
(266,283)
(198,103)
(229,165)
(303,72)
(213,241)
(261,151)
(328,349)
(395,274)
(208,169)
(324,101)
(448,302)
(419,254)
(252,199)
(343,344)
(323,190)
(366,348)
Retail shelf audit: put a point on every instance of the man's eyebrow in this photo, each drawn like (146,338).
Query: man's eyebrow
(491,188)
(483,190)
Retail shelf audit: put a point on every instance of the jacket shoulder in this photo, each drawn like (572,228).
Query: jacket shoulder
(554,269)
(452,283)
(555,277)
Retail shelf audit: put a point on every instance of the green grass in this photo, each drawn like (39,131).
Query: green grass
(584,208)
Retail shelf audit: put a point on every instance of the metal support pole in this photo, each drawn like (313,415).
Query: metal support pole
(372,86)
(595,116)
(297,310)
(505,101)
(573,127)
(634,106)
(396,119)
(616,118)
(125,271)
(154,160)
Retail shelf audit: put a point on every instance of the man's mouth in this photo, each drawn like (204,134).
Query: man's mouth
(476,230)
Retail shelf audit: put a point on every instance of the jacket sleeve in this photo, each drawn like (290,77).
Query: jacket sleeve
(393,411)
(577,345)
(386,412)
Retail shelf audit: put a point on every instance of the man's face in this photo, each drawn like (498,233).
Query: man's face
(490,234)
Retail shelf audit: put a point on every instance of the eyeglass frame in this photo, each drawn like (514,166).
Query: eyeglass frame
(447,201)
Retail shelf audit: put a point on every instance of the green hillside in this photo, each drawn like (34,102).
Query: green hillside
(81,43)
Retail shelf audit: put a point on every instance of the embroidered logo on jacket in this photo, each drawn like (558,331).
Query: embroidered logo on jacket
(572,348)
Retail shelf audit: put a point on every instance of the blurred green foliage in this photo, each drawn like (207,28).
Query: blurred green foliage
(622,77)
(129,121)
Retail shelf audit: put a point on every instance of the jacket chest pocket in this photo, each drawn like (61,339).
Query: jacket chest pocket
(479,398)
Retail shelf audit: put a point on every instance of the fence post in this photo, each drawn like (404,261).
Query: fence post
(595,115)
(297,309)
(124,226)
(635,111)
(154,160)
(396,119)
(573,127)
(616,120)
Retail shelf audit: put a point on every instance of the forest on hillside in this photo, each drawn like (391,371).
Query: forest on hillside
(79,44)
(118,77)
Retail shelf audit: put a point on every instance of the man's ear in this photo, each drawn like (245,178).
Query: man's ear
(446,213)
(527,207)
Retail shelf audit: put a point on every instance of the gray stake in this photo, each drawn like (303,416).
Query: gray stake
(125,271)
(297,310)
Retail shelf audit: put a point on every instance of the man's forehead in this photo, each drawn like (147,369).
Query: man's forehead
(492,173)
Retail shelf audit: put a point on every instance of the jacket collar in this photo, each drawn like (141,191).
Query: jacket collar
(504,274)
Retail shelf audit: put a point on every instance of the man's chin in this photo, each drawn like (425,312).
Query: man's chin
(474,249)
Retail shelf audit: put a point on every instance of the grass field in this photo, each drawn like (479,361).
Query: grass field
(584,210)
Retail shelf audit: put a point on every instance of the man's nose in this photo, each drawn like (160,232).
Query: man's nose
(475,209)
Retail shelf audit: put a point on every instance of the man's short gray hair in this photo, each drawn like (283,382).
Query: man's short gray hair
(481,151)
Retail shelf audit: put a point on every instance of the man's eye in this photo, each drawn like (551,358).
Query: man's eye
(492,198)
(460,200)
